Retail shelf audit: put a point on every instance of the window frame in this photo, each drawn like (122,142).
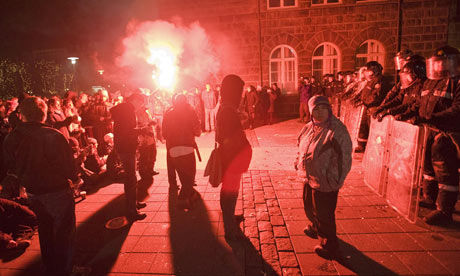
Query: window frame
(324,4)
(324,58)
(283,60)
(369,55)
(282,5)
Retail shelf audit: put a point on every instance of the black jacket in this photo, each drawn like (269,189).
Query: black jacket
(41,158)
(124,128)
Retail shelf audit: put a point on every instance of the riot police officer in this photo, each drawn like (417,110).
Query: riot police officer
(411,76)
(439,109)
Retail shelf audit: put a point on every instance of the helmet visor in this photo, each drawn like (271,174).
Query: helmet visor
(400,61)
(442,67)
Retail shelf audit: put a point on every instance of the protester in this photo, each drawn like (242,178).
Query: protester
(125,142)
(42,160)
(17,225)
(304,93)
(236,152)
(180,127)
(324,161)
(209,99)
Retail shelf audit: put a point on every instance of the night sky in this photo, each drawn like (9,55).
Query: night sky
(49,24)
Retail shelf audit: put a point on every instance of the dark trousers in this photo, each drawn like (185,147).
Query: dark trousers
(320,210)
(56,229)
(128,160)
(185,166)
(147,158)
(228,198)
(441,170)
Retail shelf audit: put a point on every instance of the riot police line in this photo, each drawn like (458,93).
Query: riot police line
(410,135)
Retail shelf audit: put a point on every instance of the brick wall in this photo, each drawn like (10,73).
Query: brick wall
(234,27)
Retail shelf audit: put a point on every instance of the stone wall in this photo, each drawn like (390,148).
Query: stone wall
(245,32)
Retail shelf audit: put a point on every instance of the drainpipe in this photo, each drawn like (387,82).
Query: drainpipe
(260,42)
(398,35)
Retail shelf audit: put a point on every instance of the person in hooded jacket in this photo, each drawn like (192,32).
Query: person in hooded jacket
(324,160)
(235,150)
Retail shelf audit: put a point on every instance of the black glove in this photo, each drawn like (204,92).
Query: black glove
(381,115)
(376,112)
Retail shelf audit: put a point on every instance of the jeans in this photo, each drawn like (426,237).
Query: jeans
(128,161)
(228,198)
(320,210)
(56,229)
(185,166)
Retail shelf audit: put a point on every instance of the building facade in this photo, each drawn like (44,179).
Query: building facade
(267,41)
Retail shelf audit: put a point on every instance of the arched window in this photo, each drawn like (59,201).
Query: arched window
(326,60)
(370,50)
(283,68)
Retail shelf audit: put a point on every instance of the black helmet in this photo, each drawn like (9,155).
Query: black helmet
(416,65)
(375,67)
(402,57)
(443,63)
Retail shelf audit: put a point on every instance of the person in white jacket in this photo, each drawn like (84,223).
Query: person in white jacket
(324,161)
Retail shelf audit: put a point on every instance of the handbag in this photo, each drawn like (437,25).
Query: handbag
(214,167)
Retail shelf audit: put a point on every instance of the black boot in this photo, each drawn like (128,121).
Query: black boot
(430,193)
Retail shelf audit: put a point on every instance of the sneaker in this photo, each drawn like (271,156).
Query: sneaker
(140,205)
(438,218)
(309,231)
(136,216)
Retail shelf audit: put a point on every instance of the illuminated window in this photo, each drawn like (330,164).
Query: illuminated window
(326,60)
(281,3)
(283,67)
(368,51)
(325,2)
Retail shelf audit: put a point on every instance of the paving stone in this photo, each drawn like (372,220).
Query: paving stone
(265,226)
(422,263)
(272,203)
(436,241)
(274,211)
(266,237)
(163,263)
(262,216)
(138,262)
(251,231)
(280,231)
(269,251)
(277,220)
(288,259)
(272,267)
(400,242)
(295,228)
(368,242)
(450,260)
(312,264)
(261,207)
(383,225)
(294,214)
(291,271)
(283,244)
(303,244)
(354,226)
(256,243)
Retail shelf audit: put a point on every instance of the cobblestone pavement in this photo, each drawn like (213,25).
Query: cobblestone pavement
(374,238)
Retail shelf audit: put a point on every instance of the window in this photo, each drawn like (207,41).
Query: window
(283,68)
(281,3)
(326,60)
(368,51)
(325,2)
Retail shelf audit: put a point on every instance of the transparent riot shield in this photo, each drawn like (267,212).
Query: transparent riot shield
(375,160)
(406,153)
(352,121)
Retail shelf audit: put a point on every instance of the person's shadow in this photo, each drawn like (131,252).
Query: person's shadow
(353,259)
(197,250)
(96,247)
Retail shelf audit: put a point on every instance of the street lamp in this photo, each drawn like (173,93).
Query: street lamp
(101,72)
(73,61)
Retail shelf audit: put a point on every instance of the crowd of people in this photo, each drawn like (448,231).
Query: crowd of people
(55,147)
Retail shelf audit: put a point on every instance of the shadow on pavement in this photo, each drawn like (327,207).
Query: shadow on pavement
(357,262)
(96,246)
(197,250)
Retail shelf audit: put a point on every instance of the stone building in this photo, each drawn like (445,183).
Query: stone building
(280,40)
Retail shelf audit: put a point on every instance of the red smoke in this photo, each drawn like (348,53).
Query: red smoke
(161,54)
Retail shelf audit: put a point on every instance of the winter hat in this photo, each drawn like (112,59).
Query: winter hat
(231,89)
(317,100)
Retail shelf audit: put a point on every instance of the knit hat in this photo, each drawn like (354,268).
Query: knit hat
(317,100)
